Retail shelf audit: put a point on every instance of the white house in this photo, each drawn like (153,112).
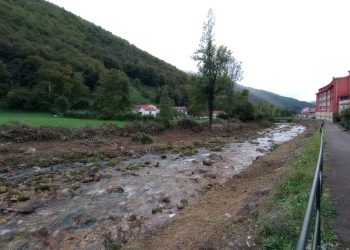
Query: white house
(307,113)
(146,109)
(181,110)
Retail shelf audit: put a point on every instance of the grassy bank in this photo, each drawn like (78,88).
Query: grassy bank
(282,217)
(41,118)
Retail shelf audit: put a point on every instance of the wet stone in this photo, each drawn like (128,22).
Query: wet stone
(132,217)
(209,175)
(116,189)
(30,151)
(163,156)
(157,210)
(215,157)
(208,162)
(165,199)
(260,150)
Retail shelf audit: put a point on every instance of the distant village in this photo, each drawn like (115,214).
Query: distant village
(152,110)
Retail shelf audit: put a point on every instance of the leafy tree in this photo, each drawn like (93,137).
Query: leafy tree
(112,95)
(243,108)
(212,62)
(4,80)
(234,74)
(18,97)
(61,105)
(198,98)
(166,113)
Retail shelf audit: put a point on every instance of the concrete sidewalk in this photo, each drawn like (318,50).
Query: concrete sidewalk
(338,178)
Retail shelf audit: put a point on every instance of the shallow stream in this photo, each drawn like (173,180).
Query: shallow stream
(132,202)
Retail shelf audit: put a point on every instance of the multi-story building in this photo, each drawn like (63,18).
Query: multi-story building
(333,98)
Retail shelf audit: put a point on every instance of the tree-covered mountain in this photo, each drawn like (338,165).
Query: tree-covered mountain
(47,52)
(258,95)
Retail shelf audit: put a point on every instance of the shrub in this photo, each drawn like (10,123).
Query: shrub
(61,105)
(190,124)
(81,114)
(142,138)
(336,117)
(147,126)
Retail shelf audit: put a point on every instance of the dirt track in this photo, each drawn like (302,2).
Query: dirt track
(222,219)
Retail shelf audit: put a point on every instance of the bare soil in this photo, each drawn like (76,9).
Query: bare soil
(224,218)
(20,155)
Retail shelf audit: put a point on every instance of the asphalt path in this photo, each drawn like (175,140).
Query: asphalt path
(338,179)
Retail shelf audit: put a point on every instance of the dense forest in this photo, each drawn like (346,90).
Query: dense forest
(49,55)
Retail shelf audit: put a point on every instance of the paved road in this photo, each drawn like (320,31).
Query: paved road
(338,180)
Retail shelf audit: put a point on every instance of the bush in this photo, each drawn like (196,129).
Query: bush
(142,138)
(144,126)
(190,124)
(82,114)
(21,132)
(336,117)
(61,105)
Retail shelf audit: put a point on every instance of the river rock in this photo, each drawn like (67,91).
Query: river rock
(30,151)
(116,189)
(163,156)
(209,175)
(165,199)
(215,157)
(24,209)
(132,217)
(184,202)
(43,232)
(97,177)
(260,150)
(180,206)
(202,171)
(208,162)
(63,192)
(157,210)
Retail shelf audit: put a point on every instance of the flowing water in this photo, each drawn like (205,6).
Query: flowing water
(126,203)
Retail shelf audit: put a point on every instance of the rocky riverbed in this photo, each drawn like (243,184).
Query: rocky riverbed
(95,202)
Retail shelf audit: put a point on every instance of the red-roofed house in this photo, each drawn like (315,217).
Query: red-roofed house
(333,98)
(146,109)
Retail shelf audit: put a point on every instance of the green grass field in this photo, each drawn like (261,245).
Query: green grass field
(41,118)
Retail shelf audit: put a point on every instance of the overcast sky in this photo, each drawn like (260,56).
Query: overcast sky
(289,47)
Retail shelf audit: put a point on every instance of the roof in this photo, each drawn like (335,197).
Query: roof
(332,83)
(147,107)
(218,111)
(180,108)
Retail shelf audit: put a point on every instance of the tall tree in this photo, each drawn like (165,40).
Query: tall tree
(234,74)
(166,106)
(112,95)
(212,62)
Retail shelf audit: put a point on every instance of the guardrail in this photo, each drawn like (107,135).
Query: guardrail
(313,206)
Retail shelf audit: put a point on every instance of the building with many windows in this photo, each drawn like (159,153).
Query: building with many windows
(333,98)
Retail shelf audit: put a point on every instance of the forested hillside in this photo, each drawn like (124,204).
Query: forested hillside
(258,95)
(47,53)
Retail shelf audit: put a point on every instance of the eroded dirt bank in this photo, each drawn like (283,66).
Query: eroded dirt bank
(76,194)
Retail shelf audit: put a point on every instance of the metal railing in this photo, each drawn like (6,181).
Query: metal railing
(313,206)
